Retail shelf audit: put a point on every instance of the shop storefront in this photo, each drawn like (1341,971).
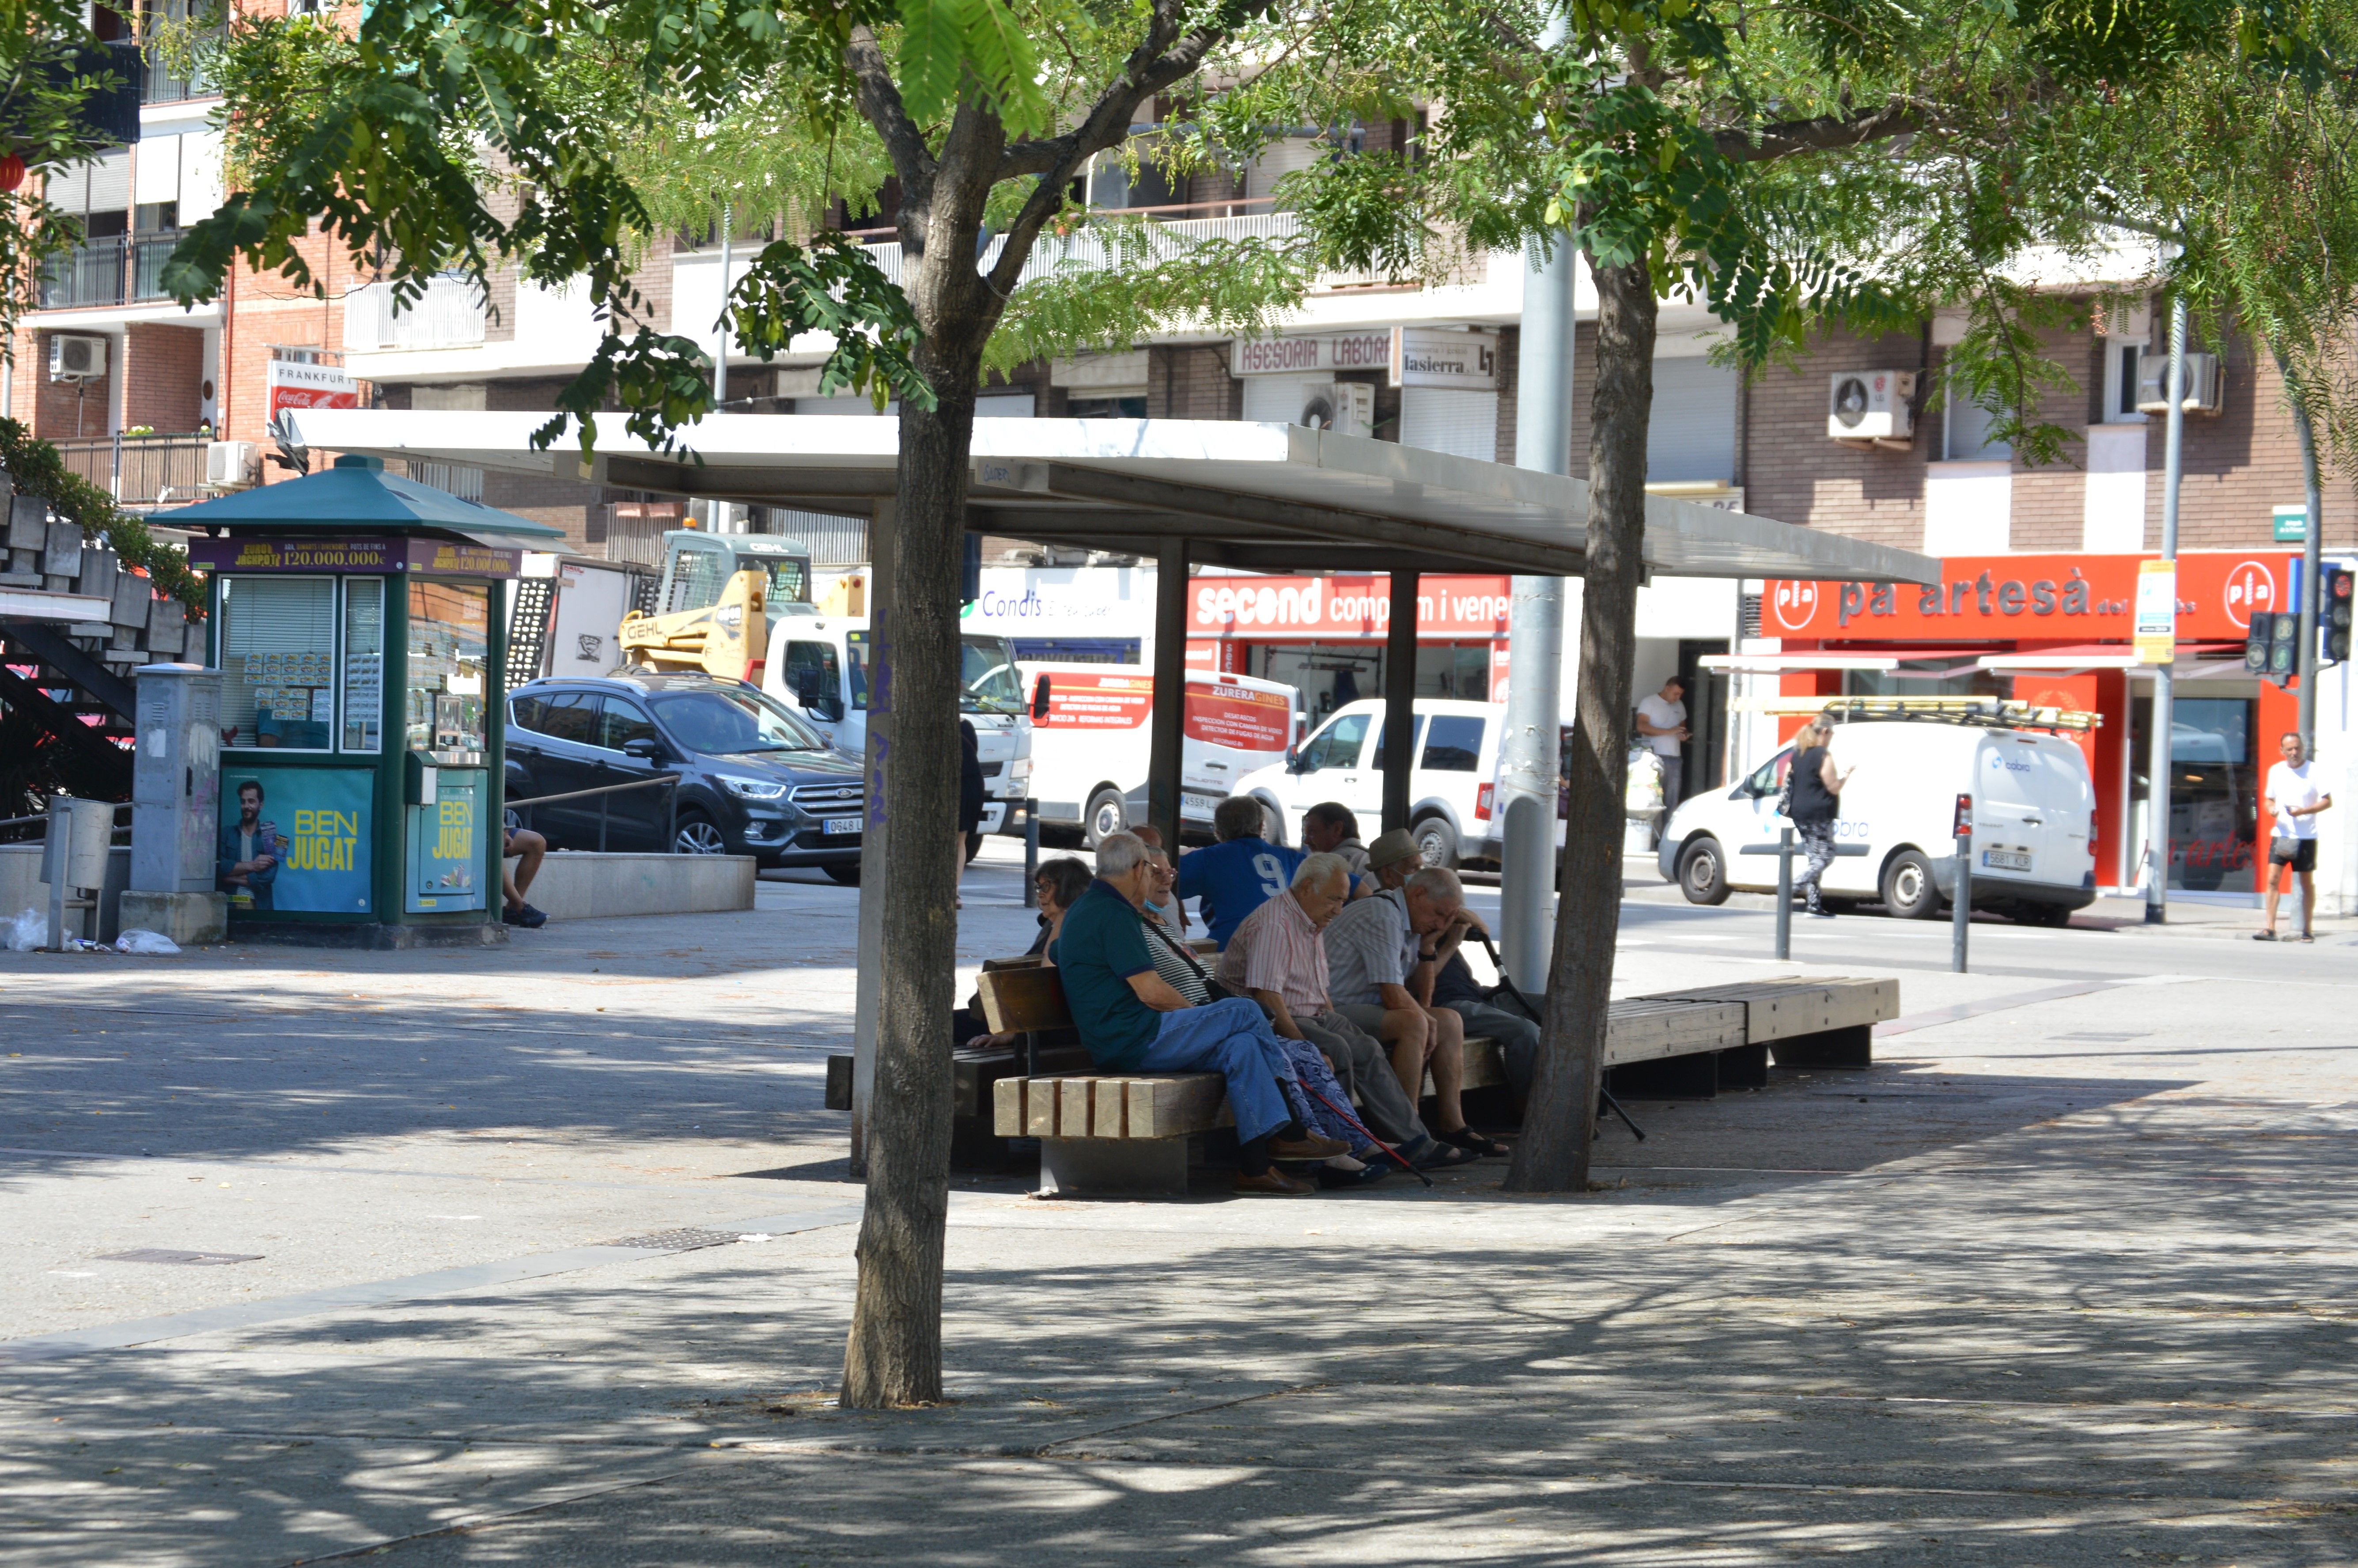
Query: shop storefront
(2057,630)
(358,620)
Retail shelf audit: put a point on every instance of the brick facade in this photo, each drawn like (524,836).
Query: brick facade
(60,410)
(163,371)
(1191,382)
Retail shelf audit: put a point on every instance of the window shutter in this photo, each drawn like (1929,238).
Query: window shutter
(1465,424)
(1693,433)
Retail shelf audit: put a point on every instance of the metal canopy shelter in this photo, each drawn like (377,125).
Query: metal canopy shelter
(1278,498)
(1269,498)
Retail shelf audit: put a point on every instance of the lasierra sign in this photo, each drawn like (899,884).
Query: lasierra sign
(2033,599)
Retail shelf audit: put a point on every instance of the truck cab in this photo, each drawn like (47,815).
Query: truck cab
(698,565)
(818,666)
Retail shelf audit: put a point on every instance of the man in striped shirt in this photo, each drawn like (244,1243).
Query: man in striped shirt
(1276,957)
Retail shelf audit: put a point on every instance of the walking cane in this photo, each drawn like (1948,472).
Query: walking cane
(1532,1013)
(1370,1137)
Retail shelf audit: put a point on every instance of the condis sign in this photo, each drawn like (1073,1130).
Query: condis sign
(2032,598)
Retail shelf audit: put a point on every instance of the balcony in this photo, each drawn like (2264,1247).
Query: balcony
(141,470)
(163,86)
(449,316)
(115,271)
(1175,231)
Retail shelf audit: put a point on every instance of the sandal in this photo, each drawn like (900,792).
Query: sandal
(2264,936)
(1483,1147)
(1443,1154)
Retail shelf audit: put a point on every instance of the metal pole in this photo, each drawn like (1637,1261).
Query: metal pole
(671,816)
(57,851)
(1784,894)
(721,358)
(1032,853)
(1399,699)
(2312,563)
(1530,753)
(1165,738)
(2157,836)
(1962,912)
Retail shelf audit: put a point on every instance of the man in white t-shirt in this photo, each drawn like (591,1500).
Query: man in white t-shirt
(1662,720)
(2293,801)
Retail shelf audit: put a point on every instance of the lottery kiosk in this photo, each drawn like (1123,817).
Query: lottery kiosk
(358,620)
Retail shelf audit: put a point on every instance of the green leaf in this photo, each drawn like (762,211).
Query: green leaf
(932,39)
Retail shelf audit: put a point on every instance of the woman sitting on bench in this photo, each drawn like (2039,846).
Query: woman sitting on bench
(1130,1020)
(1058,883)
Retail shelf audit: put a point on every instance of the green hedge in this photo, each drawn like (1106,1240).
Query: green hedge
(38,470)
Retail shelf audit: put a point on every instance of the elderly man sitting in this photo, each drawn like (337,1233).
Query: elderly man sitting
(1130,1020)
(1276,955)
(1381,955)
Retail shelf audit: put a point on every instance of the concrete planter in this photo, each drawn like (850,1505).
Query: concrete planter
(575,885)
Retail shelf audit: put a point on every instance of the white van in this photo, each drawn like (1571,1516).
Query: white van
(1453,786)
(1090,741)
(2034,822)
(818,666)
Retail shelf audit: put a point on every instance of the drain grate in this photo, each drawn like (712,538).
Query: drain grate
(172,1255)
(687,1240)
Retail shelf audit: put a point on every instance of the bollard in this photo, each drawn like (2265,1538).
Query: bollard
(1963,902)
(1030,852)
(1785,895)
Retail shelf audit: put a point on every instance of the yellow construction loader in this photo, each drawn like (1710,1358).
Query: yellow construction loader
(727,640)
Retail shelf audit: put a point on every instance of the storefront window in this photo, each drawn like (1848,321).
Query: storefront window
(278,662)
(2213,792)
(450,653)
(363,708)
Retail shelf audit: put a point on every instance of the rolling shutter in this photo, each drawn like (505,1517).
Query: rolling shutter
(1693,433)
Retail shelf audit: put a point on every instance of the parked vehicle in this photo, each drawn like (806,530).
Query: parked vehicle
(1090,741)
(754,778)
(817,666)
(2034,822)
(1453,785)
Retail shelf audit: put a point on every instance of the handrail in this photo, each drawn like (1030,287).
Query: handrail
(577,794)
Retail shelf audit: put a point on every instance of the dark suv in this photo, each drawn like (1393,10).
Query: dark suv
(753,779)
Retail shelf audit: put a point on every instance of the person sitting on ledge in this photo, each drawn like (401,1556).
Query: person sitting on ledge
(1132,1021)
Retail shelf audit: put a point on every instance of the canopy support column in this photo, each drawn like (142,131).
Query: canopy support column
(875,832)
(1399,699)
(1165,733)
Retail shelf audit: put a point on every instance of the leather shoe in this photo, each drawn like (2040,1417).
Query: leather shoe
(1311,1148)
(1271,1185)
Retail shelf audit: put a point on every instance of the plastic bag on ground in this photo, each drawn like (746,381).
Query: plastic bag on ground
(26,932)
(152,942)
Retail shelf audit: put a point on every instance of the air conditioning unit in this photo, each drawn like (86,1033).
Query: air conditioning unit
(233,465)
(1345,408)
(2204,393)
(1870,405)
(76,357)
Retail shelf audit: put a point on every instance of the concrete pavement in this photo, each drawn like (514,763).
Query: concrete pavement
(2066,1279)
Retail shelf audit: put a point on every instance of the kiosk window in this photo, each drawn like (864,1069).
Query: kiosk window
(449,646)
(278,658)
(364,707)
(625,721)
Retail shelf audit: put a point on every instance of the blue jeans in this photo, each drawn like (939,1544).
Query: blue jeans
(1231,1038)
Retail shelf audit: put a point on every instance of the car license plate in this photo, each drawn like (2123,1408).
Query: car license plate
(840,824)
(2006,861)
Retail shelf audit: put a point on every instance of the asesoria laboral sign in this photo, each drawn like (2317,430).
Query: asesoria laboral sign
(2032,598)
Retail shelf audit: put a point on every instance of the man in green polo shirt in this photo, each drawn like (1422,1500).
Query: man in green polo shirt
(1132,1021)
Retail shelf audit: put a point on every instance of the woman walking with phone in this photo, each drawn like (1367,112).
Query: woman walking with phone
(1814,788)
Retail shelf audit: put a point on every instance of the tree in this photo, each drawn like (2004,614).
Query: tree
(558,136)
(58,90)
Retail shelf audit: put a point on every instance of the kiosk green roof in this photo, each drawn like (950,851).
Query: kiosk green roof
(357,493)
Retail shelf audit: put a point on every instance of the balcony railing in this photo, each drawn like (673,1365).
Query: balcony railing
(115,271)
(141,470)
(1169,232)
(165,86)
(449,316)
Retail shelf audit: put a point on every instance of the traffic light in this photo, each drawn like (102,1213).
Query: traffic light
(2256,638)
(2284,646)
(2332,614)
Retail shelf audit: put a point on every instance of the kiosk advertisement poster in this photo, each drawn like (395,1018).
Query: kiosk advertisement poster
(295,839)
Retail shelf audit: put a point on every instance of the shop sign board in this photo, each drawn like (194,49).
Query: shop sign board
(1311,355)
(446,558)
(2063,597)
(289,384)
(1458,361)
(2291,522)
(311,824)
(1358,605)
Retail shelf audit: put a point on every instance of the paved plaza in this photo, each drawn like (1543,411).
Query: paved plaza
(543,1256)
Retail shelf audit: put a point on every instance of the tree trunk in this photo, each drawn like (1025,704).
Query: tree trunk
(1560,1126)
(895,1352)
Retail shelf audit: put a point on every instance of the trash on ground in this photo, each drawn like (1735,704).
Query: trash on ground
(26,932)
(149,942)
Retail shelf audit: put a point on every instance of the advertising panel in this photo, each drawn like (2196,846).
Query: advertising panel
(449,556)
(1244,718)
(1357,605)
(293,385)
(295,839)
(446,844)
(1092,701)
